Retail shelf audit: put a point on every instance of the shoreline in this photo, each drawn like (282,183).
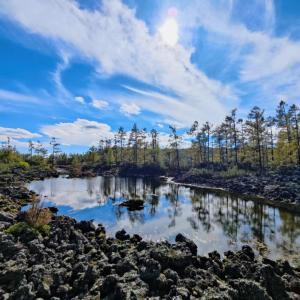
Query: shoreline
(290,207)
(286,204)
(77,260)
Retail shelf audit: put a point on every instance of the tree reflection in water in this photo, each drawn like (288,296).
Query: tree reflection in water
(203,215)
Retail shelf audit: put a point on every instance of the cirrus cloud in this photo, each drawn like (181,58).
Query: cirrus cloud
(120,43)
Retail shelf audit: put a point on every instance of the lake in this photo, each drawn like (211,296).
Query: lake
(213,220)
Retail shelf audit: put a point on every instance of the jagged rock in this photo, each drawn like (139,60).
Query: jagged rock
(85,226)
(6,217)
(8,247)
(4,225)
(273,283)
(124,266)
(122,235)
(75,262)
(189,243)
(249,290)
(150,270)
(170,274)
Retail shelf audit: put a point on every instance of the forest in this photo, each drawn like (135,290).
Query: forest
(257,143)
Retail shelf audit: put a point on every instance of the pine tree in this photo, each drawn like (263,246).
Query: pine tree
(55,149)
(256,128)
(175,141)
(121,138)
(30,149)
(294,113)
(154,145)
(133,141)
(284,122)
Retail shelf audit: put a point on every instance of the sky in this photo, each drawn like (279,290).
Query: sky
(77,70)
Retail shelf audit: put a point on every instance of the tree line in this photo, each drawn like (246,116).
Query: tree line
(258,142)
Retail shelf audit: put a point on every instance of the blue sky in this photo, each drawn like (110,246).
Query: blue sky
(79,69)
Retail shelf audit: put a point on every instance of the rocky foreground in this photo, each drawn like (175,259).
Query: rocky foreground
(76,260)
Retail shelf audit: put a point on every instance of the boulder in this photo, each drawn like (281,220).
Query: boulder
(6,217)
(189,243)
(150,270)
(122,235)
(133,204)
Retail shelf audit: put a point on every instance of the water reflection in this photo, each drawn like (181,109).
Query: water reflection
(213,220)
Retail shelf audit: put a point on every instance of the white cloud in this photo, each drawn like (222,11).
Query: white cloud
(261,57)
(122,44)
(79,99)
(14,96)
(17,133)
(17,136)
(175,112)
(129,109)
(80,132)
(63,93)
(99,104)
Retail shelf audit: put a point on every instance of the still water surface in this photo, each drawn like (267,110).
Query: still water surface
(213,220)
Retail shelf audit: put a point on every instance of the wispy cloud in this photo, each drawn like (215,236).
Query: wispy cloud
(6,95)
(62,93)
(117,42)
(138,54)
(262,57)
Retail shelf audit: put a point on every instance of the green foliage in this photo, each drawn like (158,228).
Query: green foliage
(257,143)
(229,173)
(10,159)
(18,228)
(23,165)
(44,229)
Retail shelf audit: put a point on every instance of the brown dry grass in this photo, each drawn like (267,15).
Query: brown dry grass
(37,216)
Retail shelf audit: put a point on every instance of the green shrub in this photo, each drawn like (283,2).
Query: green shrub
(44,229)
(18,228)
(23,165)
(231,172)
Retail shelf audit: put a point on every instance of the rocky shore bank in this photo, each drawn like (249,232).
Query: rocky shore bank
(76,260)
(14,194)
(280,188)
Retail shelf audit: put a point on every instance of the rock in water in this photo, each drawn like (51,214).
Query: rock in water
(133,204)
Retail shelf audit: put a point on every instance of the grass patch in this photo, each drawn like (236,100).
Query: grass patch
(36,220)
(21,227)
(229,173)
